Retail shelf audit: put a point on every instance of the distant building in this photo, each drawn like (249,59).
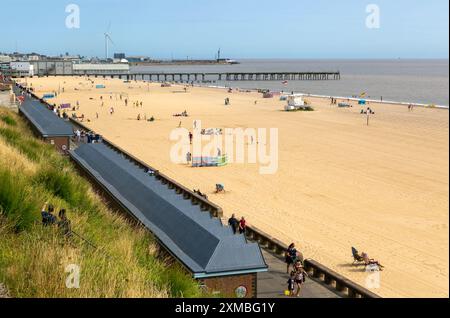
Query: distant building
(19,69)
(5,59)
(54,66)
(33,58)
(119,56)
(101,69)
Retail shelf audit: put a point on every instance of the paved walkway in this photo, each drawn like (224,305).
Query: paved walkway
(273,283)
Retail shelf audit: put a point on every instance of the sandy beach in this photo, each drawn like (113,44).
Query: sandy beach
(382,188)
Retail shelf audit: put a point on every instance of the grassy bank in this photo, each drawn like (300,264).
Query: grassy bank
(117,260)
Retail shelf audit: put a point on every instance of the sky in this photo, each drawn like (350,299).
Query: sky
(241,28)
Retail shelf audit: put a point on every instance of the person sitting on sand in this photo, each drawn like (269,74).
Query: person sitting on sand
(370,261)
(47,215)
(220,188)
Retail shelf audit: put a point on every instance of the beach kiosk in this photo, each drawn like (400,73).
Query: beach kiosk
(295,102)
(46,124)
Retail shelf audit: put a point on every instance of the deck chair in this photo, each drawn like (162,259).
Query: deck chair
(357,259)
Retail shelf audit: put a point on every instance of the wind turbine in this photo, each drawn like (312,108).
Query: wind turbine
(107,41)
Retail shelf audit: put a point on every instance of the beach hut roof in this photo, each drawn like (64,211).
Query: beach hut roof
(45,121)
(200,242)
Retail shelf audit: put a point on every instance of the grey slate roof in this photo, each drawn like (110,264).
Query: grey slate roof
(48,124)
(200,242)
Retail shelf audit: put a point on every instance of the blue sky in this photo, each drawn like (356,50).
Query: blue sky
(242,28)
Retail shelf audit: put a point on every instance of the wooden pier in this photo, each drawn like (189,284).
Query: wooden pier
(247,76)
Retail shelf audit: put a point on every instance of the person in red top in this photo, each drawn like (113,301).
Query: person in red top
(242,226)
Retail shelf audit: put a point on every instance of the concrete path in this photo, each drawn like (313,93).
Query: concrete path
(273,283)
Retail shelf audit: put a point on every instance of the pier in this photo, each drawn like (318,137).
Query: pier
(235,76)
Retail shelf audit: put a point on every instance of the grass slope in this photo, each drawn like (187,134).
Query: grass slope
(34,259)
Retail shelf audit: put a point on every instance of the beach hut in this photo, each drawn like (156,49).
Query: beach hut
(295,102)
(46,124)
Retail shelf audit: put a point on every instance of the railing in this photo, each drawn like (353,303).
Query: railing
(318,271)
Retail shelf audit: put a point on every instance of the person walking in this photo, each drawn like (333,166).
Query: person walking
(290,256)
(242,226)
(234,223)
(300,278)
(188,157)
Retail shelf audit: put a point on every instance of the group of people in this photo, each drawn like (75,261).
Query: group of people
(86,137)
(49,219)
(238,226)
(183,114)
(297,276)
(368,111)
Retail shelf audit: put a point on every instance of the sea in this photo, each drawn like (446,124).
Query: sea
(400,80)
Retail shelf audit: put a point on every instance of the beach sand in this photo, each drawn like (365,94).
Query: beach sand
(382,188)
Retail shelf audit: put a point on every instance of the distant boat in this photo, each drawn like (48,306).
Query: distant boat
(284,82)
(227,61)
